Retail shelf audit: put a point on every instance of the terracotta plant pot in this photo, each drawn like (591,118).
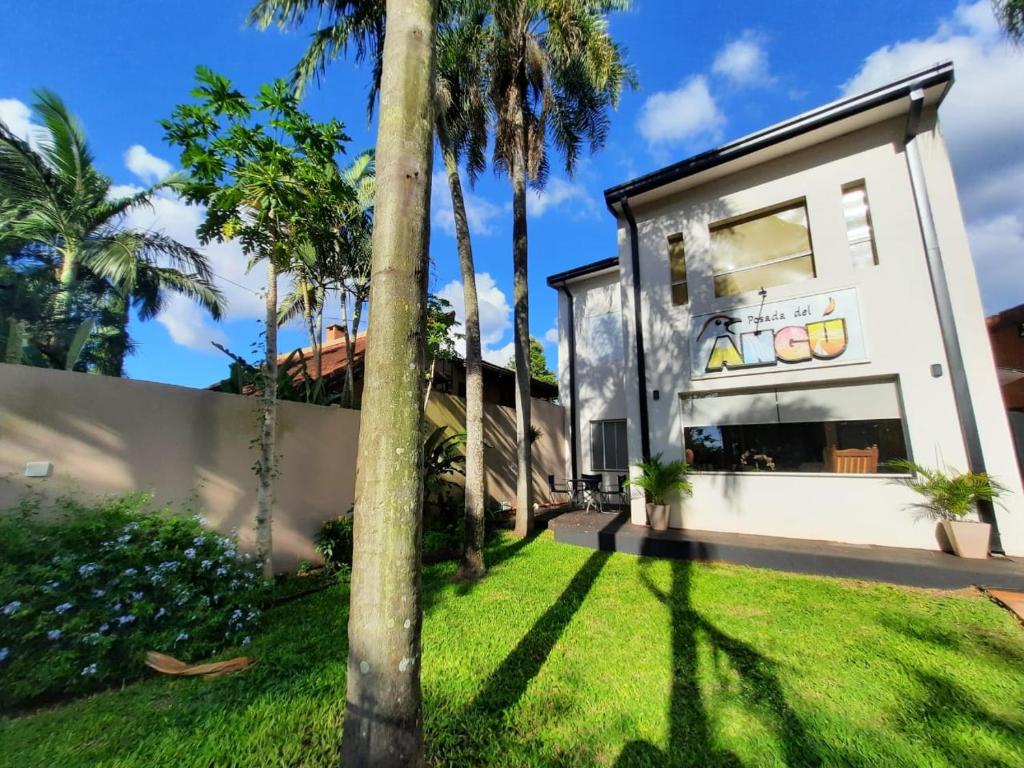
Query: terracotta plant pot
(657,516)
(969,539)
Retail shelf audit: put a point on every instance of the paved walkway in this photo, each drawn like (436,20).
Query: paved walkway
(911,567)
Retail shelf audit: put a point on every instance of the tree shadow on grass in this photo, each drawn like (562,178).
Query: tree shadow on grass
(691,741)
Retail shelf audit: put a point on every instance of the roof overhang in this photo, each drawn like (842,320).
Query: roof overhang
(587,270)
(808,129)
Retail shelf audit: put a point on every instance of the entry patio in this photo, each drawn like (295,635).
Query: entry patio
(909,567)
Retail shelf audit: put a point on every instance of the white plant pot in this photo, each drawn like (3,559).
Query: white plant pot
(969,539)
(657,516)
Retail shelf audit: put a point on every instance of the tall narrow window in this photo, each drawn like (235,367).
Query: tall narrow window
(677,269)
(859,232)
(608,446)
(763,249)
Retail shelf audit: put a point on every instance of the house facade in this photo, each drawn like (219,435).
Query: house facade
(788,313)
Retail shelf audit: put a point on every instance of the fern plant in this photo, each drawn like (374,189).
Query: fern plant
(949,495)
(657,479)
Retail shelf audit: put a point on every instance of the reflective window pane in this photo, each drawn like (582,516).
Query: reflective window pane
(766,237)
(780,273)
(859,232)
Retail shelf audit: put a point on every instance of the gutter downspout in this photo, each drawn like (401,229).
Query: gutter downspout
(944,307)
(572,379)
(641,361)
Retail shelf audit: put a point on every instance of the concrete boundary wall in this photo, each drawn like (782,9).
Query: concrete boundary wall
(192,448)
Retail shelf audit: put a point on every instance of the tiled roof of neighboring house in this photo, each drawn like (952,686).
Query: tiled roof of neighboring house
(334,355)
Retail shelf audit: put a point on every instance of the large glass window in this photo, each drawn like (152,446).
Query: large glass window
(762,250)
(859,232)
(677,270)
(846,429)
(608,446)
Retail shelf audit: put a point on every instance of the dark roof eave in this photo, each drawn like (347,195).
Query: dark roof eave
(587,269)
(780,132)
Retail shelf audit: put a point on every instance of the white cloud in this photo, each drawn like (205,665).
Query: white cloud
(982,119)
(551,336)
(501,355)
(146,166)
(495,314)
(556,192)
(687,113)
(744,61)
(480,212)
(17,116)
(188,330)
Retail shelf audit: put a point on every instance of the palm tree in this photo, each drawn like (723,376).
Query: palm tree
(383,715)
(1011,18)
(62,202)
(554,73)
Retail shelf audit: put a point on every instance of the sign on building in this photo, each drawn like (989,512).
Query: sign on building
(804,332)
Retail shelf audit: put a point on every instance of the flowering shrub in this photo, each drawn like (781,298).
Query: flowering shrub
(85,592)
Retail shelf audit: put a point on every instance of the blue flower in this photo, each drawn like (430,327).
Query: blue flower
(11,607)
(124,539)
(62,608)
(199,519)
(126,619)
(246,640)
(53,634)
(161,613)
(199,541)
(206,565)
(222,571)
(4,653)
(116,608)
(104,627)
(190,553)
(98,592)
(130,572)
(136,596)
(181,637)
(89,670)
(52,585)
(87,569)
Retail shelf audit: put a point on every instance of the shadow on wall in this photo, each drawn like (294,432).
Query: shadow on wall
(500,443)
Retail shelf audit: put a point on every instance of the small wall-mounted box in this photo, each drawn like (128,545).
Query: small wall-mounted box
(38,469)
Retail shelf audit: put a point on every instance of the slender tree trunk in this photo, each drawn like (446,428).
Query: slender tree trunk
(357,315)
(320,294)
(472,566)
(266,464)
(430,385)
(310,321)
(524,450)
(348,399)
(383,713)
(112,334)
(67,279)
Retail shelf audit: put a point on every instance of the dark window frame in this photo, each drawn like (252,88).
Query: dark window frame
(601,465)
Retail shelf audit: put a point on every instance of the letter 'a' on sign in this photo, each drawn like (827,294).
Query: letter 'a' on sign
(791,344)
(724,355)
(827,338)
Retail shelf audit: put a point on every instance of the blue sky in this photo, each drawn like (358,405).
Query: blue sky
(708,72)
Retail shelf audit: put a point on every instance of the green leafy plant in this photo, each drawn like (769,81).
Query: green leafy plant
(949,495)
(442,458)
(85,591)
(657,480)
(333,542)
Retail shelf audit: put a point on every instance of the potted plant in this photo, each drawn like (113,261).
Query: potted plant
(949,497)
(657,480)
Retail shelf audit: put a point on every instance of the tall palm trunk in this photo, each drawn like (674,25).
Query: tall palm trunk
(348,396)
(383,713)
(472,566)
(67,279)
(524,453)
(320,295)
(310,321)
(265,465)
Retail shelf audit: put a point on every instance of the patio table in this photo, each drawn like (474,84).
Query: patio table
(585,492)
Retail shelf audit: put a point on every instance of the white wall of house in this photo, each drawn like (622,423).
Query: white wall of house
(900,330)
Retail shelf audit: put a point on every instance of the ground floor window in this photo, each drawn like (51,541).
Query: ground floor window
(608,446)
(847,428)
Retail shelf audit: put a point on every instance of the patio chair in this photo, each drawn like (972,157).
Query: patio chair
(860,461)
(554,489)
(592,492)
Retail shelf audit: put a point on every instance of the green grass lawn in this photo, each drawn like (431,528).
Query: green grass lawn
(564,656)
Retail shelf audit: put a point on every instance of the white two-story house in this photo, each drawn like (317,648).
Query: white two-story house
(789,313)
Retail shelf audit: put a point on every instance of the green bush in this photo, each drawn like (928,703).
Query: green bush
(333,542)
(85,591)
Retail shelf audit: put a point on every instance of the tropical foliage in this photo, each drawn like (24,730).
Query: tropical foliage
(86,590)
(948,494)
(1011,16)
(538,363)
(67,256)
(659,480)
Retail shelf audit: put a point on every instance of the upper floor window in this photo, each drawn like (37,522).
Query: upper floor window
(859,232)
(677,269)
(761,250)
